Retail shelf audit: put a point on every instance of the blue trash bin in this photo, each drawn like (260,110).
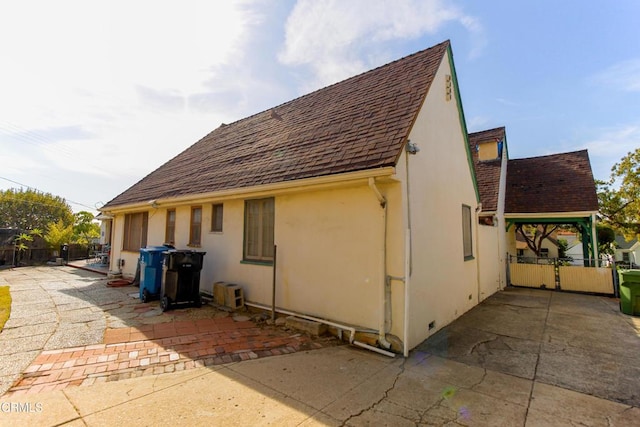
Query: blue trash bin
(151,272)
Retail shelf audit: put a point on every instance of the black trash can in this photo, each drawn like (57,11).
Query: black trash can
(64,253)
(181,278)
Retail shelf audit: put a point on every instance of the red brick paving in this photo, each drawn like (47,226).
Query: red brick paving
(155,349)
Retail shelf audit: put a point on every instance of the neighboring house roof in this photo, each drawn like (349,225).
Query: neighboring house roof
(551,184)
(622,243)
(487,171)
(360,123)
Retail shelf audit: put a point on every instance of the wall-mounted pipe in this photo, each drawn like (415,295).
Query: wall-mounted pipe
(385,289)
(351,329)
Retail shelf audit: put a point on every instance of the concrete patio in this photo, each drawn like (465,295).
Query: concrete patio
(523,357)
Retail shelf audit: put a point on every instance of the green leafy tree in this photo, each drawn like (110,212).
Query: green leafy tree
(30,209)
(84,229)
(606,239)
(58,234)
(21,243)
(619,197)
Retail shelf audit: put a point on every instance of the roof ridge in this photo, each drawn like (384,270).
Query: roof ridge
(357,123)
(584,150)
(496,129)
(388,64)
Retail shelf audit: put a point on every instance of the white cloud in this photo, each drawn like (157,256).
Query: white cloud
(609,145)
(624,75)
(329,35)
(103,90)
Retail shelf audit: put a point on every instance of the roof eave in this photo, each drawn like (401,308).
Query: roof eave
(283,187)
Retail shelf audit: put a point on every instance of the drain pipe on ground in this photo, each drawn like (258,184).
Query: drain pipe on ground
(351,329)
(382,339)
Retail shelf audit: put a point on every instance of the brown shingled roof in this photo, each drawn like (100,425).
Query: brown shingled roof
(546,184)
(488,171)
(359,123)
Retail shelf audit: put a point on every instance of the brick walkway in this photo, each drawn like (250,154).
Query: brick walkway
(155,349)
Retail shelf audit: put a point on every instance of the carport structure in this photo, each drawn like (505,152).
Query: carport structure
(557,189)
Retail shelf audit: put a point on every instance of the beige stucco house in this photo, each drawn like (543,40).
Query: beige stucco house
(543,191)
(366,187)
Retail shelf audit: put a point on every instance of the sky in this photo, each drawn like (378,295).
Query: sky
(96,95)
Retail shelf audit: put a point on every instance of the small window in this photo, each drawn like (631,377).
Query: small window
(488,150)
(135,231)
(466,232)
(544,252)
(258,230)
(626,257)
(170,229)
(216,217)
(195,230)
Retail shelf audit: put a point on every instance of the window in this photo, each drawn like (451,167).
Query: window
(258,229)
(170,230)
(466,232)
(216,217)
(135,231)
(626,257)
(196,226)
(544,252)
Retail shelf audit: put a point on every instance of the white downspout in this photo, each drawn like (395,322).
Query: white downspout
(594,240)
(382,340)
(407,275)
(477,245)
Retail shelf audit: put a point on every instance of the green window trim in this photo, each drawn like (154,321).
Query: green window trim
(467,232)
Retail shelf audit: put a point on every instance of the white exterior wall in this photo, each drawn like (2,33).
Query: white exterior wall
(329,257)
(634,254)
(492,267)
(330,260)
(492,244)
(442,285)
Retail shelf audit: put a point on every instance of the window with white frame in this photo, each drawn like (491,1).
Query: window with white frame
(135,231)
(216,217)
(170,228)
(258,230)
(195,229)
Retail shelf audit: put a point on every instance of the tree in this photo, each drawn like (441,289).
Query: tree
(534,235)
(606,239)
(20,244)
(30,209)
(619,197)
(58,234)
(84,229)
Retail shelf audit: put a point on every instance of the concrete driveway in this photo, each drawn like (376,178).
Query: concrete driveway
(521,358)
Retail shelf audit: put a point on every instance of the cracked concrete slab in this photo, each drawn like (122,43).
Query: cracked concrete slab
(291,375)
(26,320)
(611,377)
(558,406)
(512,361)
(22,344)
(28,330)
(74,336)
(484,349)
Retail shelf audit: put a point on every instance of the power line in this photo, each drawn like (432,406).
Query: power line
(36,189)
